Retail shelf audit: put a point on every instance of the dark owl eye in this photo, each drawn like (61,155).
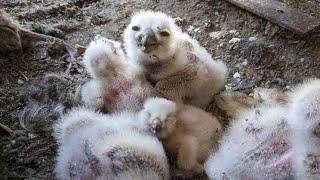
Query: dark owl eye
(164,33)
(114,50)
(135,28)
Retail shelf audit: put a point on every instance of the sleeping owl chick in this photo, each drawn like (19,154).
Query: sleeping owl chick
(256,145)
(116,83)
(97,146)
(185,131)
(304,120)
(276,137)
(174,63)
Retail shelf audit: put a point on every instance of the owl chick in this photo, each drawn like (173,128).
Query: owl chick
(174,63)
(116,83)
(185,131)
(304,120)
(277,136)
(256,146)
(98,146)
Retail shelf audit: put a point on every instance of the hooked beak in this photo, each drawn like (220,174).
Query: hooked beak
(156,126)
(148,41)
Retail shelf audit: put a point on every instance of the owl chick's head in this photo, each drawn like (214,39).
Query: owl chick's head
(104,58)
(150,34)
(160,116)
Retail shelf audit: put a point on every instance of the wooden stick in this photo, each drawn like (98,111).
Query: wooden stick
(6,129)
(281,14)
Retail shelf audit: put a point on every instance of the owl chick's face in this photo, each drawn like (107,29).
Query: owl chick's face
(150,34)
(104,57)
(160,116)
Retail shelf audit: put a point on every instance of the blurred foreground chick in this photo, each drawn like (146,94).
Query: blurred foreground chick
(274,136)
(256,146)
(304,120)
(185,131)
(97,146)
(117,84)
(174,63)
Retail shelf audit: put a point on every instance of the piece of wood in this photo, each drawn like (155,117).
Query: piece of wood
(281,14)
(5,129)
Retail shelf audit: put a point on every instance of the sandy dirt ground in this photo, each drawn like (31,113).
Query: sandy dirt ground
(32,86)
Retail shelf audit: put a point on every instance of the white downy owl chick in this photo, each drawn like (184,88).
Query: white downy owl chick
(174,63)
(98,146)
(117,84)
(304,120)
(185,131)
(256,146)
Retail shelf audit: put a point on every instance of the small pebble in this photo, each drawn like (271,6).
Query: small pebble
(197,30)
(251,39)
(190,28)
(228,87)
(287,87)
(236,75)
(20,81)
(245,62)
(234,40)
(31,136)
(233,32)
(216,35)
